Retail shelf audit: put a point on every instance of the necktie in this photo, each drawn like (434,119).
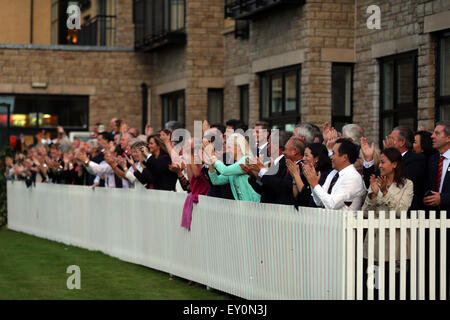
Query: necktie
(333,182)
(439,174)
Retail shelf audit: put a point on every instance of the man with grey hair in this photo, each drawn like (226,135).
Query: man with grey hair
(353,132)
(401,138)
(305,131)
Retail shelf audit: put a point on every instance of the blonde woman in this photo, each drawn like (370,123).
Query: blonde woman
(238,146)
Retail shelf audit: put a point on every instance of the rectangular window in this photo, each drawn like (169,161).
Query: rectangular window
(215,105)
(398,96)
(48,111)
(173,107)
(280,97)
(342,104)
(443,78)
(244,103)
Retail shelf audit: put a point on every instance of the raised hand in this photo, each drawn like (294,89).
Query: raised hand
(311,175)
(148,130)
(368,151)
(174,167)
(205,126)
(326,132)
(294,169)
(374,184)
(388,142)
(382,183)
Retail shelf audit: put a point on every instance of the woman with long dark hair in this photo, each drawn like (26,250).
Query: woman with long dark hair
(391,191)
(157,162)
(316,154)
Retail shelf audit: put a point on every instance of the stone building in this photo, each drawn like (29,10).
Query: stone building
(285,61)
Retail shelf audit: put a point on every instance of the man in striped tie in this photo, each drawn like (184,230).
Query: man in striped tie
(438,196)
(438,182)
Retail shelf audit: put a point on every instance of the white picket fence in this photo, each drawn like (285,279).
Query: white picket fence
(415,227)
(250,250)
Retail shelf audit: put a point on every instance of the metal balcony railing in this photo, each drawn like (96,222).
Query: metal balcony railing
(99,31)
(246,9)
(158,23)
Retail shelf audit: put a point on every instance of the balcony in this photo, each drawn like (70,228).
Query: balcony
(250,9)
(99,31)
(159,23)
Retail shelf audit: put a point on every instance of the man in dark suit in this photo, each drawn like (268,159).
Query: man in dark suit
(437,196)
(275,183)
(438,177)
(262,133)
(401,138)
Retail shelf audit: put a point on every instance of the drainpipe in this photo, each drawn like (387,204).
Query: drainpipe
(31,21)
(144,91)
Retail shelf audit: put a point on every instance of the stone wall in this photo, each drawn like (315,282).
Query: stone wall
(111,79)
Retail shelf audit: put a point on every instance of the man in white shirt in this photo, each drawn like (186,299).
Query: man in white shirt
(101,169)
(344,187)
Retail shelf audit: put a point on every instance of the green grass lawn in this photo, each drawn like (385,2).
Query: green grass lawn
(34,268)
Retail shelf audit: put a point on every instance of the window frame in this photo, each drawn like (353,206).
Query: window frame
(340,118)
(221,91)
(241,105)
(398,109)
(37,128)
(284,117)
(439,100)
(174,94)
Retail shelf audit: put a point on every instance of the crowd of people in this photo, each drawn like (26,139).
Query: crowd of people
(309,167)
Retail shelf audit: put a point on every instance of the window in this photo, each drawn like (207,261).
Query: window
(244,103)
(158,23)
(398,98)
(443,78)
(341,92)
(280,97)
(215,105)
(47,112)
(173,107)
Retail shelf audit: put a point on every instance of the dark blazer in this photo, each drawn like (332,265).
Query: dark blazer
(433,165)
(162,177)
(220,191)
(276,185)
(144,177)
(304,198)
(416,169)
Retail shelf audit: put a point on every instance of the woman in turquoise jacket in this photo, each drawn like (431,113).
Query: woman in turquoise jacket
(241,189)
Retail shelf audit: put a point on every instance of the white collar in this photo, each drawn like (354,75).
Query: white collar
(346,169)
(403,154)
(278,159)
(261,147)
(446,154)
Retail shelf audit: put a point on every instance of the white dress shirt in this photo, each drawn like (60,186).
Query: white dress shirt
(445,167)
(348,187)
(102,169)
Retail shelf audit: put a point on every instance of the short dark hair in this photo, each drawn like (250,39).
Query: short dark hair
(219,127)
(237,124)
(106,135)
(263,124)
(406,134)
(349,148)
